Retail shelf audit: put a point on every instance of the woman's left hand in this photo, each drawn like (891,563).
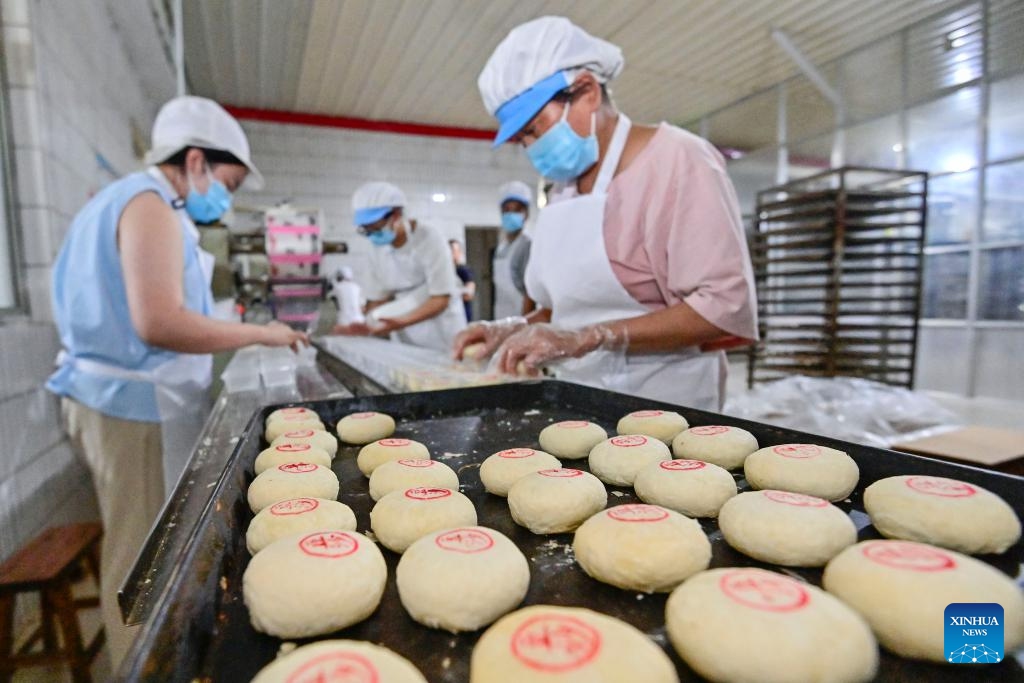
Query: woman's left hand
(531,347)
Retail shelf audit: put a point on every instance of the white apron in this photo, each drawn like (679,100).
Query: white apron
(569,272)
(181,384)
(407,279)
(507,299)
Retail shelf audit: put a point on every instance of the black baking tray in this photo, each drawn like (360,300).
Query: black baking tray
(200,628)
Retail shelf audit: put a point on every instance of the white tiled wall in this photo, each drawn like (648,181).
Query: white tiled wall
(73,95)
(316,166)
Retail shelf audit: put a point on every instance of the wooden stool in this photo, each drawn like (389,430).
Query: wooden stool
(47,565)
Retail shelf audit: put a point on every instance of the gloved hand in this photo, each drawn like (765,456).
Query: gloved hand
(524,352)
(489,333)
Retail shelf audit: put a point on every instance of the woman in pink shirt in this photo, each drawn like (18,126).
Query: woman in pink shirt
(639,263)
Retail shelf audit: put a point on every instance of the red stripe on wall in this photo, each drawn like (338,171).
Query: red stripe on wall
(350,123)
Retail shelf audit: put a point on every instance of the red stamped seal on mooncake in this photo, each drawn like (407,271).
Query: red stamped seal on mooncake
(629,440)
(572,424)
(331,544)
(292,447)
(709,430)
(940,486)
(297,467)
(467,541)
(300,434)
(682,465)
(417,462)
(394,443)
(427,493)
(800,451)
(638,512)
(797,499)
(516,453)
(764,591)
(555,643)
(363,416)
(560,473)
(295,506)
(647,413)
(336,667)
(912,556)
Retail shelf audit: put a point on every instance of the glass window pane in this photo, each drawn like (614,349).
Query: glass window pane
(751,174)
(1006,118)
(952,208)
(875,143)
(944,52)
(942,135)
(1001,284)
(1005,36)
(872,79)
(945,285)
(1004,202)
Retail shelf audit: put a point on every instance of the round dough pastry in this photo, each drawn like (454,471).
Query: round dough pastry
(290,412)
(310,584)
(504,468)
(474,352)
(940,511)
(803,468)
(293,480)
(757,626)
(786,528)
(296,516)
(658,424)
(617,460)
(641,547)
(462,579)
(406,474)
(284,453)
(373,455)
(362,428)
(902,588)
(544,643)
(402,517)
(340,661)
(724,446)
(314,437)
(691,487)
(571,439)
(291,423)
(556,500)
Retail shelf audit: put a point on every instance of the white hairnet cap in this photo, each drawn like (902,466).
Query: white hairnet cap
(516,190)
(373,201)
(191,121)
(526,69)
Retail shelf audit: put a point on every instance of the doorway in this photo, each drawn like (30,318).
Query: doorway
(481,241)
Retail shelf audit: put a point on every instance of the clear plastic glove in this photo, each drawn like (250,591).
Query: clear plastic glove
(279,334)
(481,339)
(526,351)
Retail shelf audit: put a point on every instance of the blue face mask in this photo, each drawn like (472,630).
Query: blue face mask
(512,221)
(382,237)
(206,208)
(562,155)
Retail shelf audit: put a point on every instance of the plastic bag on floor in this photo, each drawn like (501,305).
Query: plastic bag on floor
(847,408)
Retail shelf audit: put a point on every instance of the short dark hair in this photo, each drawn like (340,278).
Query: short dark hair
(213,156)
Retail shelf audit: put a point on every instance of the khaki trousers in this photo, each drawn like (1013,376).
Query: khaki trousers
(125,459)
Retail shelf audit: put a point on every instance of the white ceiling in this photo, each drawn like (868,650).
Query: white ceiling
(417,60)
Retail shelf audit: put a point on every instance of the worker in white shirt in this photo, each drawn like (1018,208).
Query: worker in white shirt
(411,288)
(347,297)
(508,267)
